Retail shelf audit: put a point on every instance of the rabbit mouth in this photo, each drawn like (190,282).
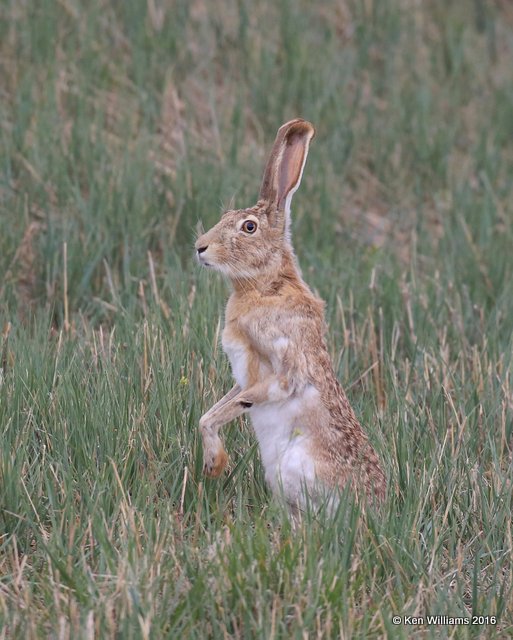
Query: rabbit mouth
(203,262)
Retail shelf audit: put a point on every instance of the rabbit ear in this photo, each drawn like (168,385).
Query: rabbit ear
(284,169)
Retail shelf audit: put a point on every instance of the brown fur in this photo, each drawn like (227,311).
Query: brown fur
(271,305)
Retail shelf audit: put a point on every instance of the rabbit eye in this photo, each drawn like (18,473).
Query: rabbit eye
(249,226)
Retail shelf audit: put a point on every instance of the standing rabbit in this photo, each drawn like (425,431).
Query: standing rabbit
(309,437)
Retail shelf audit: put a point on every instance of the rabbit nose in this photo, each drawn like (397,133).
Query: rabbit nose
(202,249)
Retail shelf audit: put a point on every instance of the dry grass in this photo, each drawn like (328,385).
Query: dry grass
(122,126)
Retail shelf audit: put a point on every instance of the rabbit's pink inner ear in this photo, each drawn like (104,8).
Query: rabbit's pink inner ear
(285,165)
(291,166)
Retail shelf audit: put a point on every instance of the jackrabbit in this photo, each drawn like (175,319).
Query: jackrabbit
(310,439)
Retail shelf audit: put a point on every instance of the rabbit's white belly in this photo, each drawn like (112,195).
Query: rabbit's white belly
(238,357)
(283,440)
(284,443)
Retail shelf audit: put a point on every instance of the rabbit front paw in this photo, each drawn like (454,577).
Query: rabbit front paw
(214,462)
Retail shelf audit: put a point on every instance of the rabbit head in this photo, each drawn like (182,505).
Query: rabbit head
(248,243)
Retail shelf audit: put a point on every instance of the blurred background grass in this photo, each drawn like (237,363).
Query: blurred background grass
(124,125)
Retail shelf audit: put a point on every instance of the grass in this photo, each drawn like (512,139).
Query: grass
(124,124)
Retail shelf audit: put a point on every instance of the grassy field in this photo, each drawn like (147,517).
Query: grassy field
(125,125)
